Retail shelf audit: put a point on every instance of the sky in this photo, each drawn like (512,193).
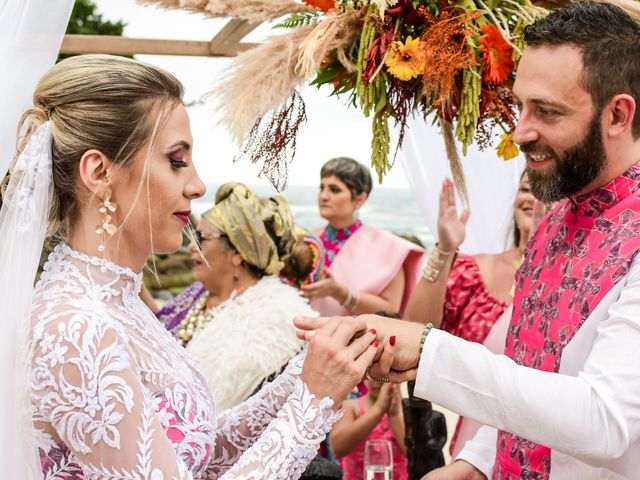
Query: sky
(331,130)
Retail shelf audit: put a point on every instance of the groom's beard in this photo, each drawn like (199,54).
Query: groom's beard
(572,171)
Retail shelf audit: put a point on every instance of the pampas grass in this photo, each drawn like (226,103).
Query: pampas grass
(383,5)
(260,80)
(253,10)
(336,32)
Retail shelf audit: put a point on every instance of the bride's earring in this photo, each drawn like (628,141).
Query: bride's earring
(106,229)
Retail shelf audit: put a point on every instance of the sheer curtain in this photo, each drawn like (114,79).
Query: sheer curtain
(492,184)
(30,35)
(31,32)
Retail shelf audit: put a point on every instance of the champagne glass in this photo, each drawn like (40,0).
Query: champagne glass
(378,460)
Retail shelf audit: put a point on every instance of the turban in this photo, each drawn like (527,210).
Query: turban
(260,229)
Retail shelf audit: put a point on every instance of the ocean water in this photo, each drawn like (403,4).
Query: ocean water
(387,208)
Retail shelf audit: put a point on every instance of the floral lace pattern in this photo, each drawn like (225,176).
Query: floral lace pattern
(114,396)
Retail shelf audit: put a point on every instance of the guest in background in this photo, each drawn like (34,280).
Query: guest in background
(307,262)
(368,270)
(235,320)
(466,294)
(377,415)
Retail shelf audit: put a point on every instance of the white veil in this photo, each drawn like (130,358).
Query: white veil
(30,34)
(24,219)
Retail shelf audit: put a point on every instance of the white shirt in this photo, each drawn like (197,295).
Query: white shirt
(588,413)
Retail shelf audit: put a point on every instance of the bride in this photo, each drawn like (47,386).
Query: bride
(105,165)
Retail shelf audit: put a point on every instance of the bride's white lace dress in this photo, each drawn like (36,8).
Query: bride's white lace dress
(115,396)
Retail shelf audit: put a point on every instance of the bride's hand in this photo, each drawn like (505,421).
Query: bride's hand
(336,361)
(398,362)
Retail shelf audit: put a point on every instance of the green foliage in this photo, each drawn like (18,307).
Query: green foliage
(85,20)
(298,20)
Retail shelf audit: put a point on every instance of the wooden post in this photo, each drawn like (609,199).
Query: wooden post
(228,38)
(114,45)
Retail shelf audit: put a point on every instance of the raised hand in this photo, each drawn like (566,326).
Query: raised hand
(383,401)
(395,405)
(451,227)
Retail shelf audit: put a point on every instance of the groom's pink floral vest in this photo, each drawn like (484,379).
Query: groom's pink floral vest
(580,251)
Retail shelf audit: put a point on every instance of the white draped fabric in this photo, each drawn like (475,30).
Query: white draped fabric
(31,32)
(492,184)
(30,36)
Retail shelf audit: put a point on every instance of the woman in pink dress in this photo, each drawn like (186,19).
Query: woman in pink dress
(466,294)
(377,415)
(367,270)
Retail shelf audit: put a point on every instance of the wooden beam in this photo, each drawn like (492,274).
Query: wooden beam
(231,34)
(114,45)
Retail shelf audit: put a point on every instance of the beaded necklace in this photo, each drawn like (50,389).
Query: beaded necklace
(197,316)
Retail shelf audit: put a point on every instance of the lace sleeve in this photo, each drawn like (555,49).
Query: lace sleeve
(88,397)
(275,433)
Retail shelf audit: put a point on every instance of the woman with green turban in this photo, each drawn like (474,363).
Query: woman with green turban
(236,320)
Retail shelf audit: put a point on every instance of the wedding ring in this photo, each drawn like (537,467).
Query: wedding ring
(383,379)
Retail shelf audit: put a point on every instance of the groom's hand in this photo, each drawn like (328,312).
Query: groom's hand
(406,342)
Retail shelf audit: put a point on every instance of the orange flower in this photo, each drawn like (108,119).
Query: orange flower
(324,5)
(496,55)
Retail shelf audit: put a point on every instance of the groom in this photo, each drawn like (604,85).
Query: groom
(564,403)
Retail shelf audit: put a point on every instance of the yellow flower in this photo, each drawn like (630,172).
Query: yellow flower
(405,60)
(507,149)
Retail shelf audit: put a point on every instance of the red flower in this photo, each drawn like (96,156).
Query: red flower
(324,5)
(496,55)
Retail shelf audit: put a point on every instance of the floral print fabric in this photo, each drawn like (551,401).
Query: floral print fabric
(579,252)
(469,309)
(333,240)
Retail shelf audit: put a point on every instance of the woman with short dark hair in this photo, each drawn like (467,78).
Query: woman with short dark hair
(367,269)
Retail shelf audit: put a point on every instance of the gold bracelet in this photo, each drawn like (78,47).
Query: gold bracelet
(351,302)
(436,262)
(356,300)
(348,299)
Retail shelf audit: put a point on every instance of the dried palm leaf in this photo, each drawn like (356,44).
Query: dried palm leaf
(253,10)
(455,164)
(337,32)
(259,81)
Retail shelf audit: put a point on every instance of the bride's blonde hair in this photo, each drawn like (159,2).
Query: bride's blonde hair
(97,102)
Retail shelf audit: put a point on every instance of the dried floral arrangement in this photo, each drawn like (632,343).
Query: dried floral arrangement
(451,61)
